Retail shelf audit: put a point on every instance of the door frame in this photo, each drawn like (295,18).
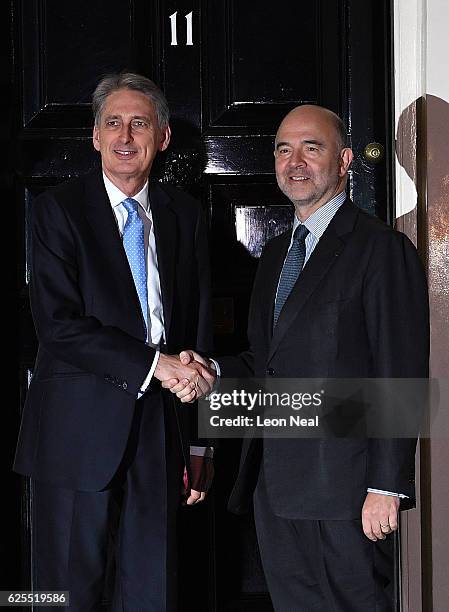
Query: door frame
(420,28)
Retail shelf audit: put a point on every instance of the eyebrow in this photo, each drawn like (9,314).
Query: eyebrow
(314,142)
(145,118)
(282,144)
(308,141)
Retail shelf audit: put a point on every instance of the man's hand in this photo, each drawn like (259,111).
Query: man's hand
(194,376)
(188,390)
(379,515)
(202,470)
(195,497)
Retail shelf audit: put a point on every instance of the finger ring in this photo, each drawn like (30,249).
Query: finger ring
(385,526)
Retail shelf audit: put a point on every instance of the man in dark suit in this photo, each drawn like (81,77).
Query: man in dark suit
(119,283)
(341,295)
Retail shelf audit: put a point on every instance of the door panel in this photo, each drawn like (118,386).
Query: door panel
(230,71)
(250,83)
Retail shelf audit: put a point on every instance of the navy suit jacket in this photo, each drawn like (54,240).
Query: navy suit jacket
(92,356)
(358,310)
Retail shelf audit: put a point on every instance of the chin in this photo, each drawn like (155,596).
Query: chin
(126,169)
(300,198)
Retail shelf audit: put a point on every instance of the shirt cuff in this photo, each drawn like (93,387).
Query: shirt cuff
(217,367)
(149,376)
(202,451)
(218,373)
(401,495)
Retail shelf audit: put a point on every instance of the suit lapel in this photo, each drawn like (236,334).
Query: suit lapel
(102,221)
(101,218)
(319,264)
(165,229)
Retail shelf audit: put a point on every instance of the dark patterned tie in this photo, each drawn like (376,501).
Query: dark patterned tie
(133,241)
(293,265)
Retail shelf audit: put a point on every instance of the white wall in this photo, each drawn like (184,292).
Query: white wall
(437,64)
(410,78)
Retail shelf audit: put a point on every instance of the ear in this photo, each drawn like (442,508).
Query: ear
(346,157)
(96,138)
(165,138)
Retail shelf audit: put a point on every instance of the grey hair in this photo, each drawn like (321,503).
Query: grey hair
(135,82)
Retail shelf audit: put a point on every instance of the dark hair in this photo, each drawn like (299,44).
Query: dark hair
(136,82)
(340,129)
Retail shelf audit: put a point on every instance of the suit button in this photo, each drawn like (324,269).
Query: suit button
(271,372)
(125,385)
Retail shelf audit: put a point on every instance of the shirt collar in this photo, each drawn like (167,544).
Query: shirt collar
(116,196)
(319,220)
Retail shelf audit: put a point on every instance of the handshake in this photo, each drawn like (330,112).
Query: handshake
(189,376)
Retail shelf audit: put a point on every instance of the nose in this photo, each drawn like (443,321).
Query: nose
(125,135)
(297,159)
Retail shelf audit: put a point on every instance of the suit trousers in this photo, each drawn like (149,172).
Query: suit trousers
(322,566)
(116,549)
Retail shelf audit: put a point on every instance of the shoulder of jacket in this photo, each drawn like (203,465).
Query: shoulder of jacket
(64,193)
(277,241)
(378,229)
(177,195)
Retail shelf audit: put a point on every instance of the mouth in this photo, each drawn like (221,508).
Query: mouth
(125,153)
(298,179)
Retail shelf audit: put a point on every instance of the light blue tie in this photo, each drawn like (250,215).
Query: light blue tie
(134,244)
(293,265)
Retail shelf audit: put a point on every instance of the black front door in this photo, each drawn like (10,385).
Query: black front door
(230,70)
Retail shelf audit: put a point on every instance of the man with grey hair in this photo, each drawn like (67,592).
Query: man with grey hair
(119,284)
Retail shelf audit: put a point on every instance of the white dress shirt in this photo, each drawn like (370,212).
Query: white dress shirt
(155,315)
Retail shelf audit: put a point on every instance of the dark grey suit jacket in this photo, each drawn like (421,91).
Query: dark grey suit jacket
(359,309)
